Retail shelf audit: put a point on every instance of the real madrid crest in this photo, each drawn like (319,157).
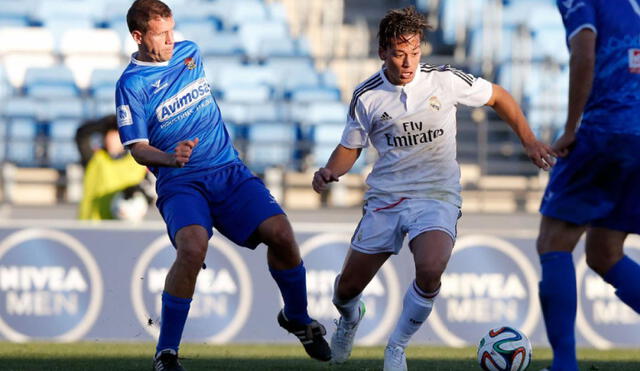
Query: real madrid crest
(190,63)
(434,103)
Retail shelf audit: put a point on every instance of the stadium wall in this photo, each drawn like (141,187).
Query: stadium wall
(69,281)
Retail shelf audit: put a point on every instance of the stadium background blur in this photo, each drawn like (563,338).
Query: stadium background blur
(282,72)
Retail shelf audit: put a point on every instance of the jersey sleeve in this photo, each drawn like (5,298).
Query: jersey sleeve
(470,90)
(577,15)
(130,114)
(356,132)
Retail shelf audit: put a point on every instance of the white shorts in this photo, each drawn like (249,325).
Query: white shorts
(384,226)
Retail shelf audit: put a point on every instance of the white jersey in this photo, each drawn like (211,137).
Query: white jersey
(413,128)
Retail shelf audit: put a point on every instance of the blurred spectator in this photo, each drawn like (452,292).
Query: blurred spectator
(112,181)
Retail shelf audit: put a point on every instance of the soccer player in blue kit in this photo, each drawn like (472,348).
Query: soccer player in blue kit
(594,186)
(169,120)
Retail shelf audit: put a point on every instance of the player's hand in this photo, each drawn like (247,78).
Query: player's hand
(183,151)
(541,154)
(563,145)
(322,178)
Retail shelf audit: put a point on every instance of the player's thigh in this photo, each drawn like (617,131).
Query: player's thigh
(604,248)
(379,230)
(244,208)
(431,253)
(358,270)
(184,205)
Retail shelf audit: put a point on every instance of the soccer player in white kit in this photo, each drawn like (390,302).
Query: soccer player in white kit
(407,112)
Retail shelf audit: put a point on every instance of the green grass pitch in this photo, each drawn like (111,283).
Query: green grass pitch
(137,356)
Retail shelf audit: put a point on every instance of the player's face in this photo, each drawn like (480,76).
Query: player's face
(401,58)
(156,44)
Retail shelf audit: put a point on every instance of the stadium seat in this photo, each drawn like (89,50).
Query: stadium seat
(246,93)
(103,83)
(62,148)
(220,43)
(69,108)
(253,34)
(21,141)
(51,82)
(319,112)
(270,144)
(23,48)
(314,94)
(24,108)
(325,137)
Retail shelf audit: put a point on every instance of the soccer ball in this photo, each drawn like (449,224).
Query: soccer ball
(504,348)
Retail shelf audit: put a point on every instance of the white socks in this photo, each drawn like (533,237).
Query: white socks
(348,309)
(416,308)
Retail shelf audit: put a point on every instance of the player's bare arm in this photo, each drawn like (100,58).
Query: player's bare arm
(581,69)
(541,154)
(148,155)
(341,161)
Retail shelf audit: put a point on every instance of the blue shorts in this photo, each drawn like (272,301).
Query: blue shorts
(598,183)
(230,198)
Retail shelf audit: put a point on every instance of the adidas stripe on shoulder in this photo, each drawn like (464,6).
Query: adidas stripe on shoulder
(466,77)
(369,84)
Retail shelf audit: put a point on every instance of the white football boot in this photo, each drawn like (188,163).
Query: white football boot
(342,339)
(394,359)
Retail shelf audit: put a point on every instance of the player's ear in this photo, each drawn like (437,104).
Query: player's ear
(382,53)
(137,36)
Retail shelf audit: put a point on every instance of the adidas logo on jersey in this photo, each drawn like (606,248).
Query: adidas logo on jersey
(385,116)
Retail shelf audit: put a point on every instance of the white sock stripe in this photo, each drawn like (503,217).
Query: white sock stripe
(426,295)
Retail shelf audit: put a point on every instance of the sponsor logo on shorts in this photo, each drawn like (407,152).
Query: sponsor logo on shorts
(488,281)
(222,299)
(50,286)
(187,97)
(323,256)
(123,114)
(602,318)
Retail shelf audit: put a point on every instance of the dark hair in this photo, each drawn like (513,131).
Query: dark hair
(399,22)
(109,123)
(142,11)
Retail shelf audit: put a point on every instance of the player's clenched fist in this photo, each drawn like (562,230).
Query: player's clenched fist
(184,150)
(322,178)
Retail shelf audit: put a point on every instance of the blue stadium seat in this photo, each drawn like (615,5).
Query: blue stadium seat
(54,82)
(103,107)
(103,83)
(14,13)
(233,76)
(245,11)
(233,112)
(326,136)
(314,94)
(71,108)
(319,112)
(281,46)
(246,93)
(550,42)
(215,65)
(62,148)
(220,43)
(270,144)
(21,141)
(253,34)
(24,108)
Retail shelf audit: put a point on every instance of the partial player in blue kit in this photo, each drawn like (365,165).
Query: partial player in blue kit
(595,185)
(171,123)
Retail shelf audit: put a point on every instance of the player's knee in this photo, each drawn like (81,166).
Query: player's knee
(192,247)
(601,263)
(428,276)
(281,236)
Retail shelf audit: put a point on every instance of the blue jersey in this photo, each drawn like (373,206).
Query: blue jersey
(168,102)
(614,103)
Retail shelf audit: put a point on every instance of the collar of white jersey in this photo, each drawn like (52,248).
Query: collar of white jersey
(409,86)
(148,64)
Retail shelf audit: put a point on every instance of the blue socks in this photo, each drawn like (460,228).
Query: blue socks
(174,316)
(293,287)
(624,277)
(558,298)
